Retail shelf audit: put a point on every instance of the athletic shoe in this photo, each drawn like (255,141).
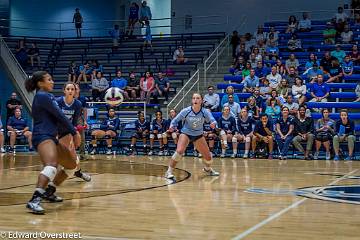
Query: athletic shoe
(349,158)
(150,153)
(233,155)
(35,204)
(166,153)
(170,176)
(222,155)
(270,156)
(246,155)
(327,156)
(251,155)
(109,152)
(336,158)
(2,150)
(50,195)
(316,156)
(200,155)
(161,153)
(211,172)
(195,153)
(93,152)
(84,176)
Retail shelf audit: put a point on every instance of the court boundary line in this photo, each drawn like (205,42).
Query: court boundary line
(281,212)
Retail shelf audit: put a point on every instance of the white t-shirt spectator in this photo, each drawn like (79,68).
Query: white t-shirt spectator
(304,24)
(341,16)
(213,100)
(178,53)
(274,80)
(298,91)
(290,63)
(234,108)
(347,36)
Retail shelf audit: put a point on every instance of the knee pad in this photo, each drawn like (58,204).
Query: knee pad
(222,132)
(152,136)
(208,161)
(159,135)
(234,140)
(164,135)
(49,172)
(176,157)
(247,139)
(174,135)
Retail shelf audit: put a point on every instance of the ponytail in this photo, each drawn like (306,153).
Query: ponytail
(31,82)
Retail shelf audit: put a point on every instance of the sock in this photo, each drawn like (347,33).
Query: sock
(223,151)
(246,151)
(225,143)
(235,151)
(145,146)
(170,170)
(131,146)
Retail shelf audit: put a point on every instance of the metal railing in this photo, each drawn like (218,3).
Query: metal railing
(183,97)
(16,72)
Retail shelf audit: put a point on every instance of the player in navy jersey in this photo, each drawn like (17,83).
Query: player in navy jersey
(210,136)
(142,132)
(107,129)
(158,130)
(72,108)
(47,116)
(227,126)
(193,119)
(82,121)
(245,126)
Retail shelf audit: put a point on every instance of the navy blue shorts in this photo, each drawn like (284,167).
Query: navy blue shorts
(193,138)
(37,139)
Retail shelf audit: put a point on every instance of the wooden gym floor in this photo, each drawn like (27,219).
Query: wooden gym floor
(128,198)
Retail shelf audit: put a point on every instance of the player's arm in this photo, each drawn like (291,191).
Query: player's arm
(180,117)
(210,119)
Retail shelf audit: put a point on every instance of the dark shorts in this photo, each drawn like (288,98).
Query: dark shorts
(78,25)
(323,136)
(139,135)
(193,139)
(37,139)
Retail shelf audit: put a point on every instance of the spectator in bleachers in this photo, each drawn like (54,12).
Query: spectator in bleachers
(329,34)
(145,13)
(320,91)
(147,86)
(234,106)
(260,36)
(357,19)
(344,132)
(34,53)
(99,85)
(273,110)
(338,53)
(291,105)
(261,71)
(347,66)
(347,35)
(324,131)
(357,91)
(78,20)
(325,62)
(86,72)
(263,132)
(108,129)
(298,90)
(11,104)
(238,66)
(291,76)
(335,72)
(259,100)
(241,52)
(258,54)
(227,126)
(252,60)
(162,87)
(245,124)
(96,66)
(283,90)
(305,23)
(133,19)
(246,71)
(280,67)
(2,149)
(148,37)
(274,78)
(115,35)
(274,95)
(158,131)
(294,43)
(252,108)
(284,132)
(212,100)
(229,91)
(251,82)
(73,72)
(273,36)
(250,42)
(312,73)
(21,54)
(304,129)
(355,55)
(271,40)
(340,19)
(272,51)
(234,42)
(292,62)
(292,24)
(133,87)
(179,56)
(142,131)
(17,126)
(311,61)
(265,89)
(120,82)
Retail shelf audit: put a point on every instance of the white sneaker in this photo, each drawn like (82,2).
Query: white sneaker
(246,155)
(109,152)
(93,152)
(161,153)
(170,175)
(150,153)
(2,150)
(316,156)
(211,172)
(200,155)
(222,155)
(327,156)
(233,155)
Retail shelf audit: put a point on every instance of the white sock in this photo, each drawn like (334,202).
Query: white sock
(246,151)
(235,151)
(223,151)
(40,190)
(170,169)
(225,143)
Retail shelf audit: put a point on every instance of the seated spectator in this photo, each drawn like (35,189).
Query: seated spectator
(299,91)
(260,36)
(312,60)
(325,62)
(273,36)
(120,82)
(235,40)
(21,54)
(271,40)
(96,66)
(234,106)
(261,71)
(324,131)
(319,91)
(338,53)
(284,132)
(291,105)
(252,60)
(162,87)
(355,55)
(212,100)
(294,43)
(179,56)
(258,55)
(274,96)
(357,91)
(259,100)
(229,91)
(305,23)
(11,104)
(145,13)
(17,126)
(283,90)
(108,130)
(291,76)
(99,85)
(312,73)
(249,42)
(280,67)
(147,86)
(347,66)
(292,24)
(133,87)
(34,53)
(344,132)
(340,19)
(263,132)
(2,149)
(292,62)
(227,126)
(273,110)
(335,72)
(158,131)
(142,131)
(265,89)
(347,35)
(86,72)
(238,66)
(274,78)
(252,109)
(329,34)
(304,129)
(241,52)
(246,71)
(251,82)
(73,72)
(115,35)
(272,51)
(245,131)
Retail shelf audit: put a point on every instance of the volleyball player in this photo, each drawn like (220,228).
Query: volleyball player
(72,108)
(245,127)
(210,136)
(142,132)
(227,126)
(193,118)
(47,116)
(158,131)
(82,121)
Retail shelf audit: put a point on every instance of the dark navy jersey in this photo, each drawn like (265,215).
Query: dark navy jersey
(141,127)
(48,116)
(159,126)
(17,123)
(245,127)
(227,124)
(110,124)
(72,111)
(207,127)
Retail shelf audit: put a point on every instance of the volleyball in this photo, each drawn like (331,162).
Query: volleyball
(113,96)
